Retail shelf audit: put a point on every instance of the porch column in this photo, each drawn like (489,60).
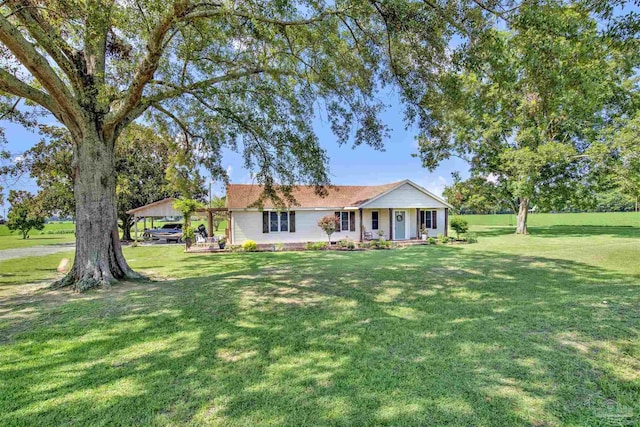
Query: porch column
(361,230)
(152,222)
(390,223)
(145,223)
(418,224)
(446,221)
(210,222)
(135,224)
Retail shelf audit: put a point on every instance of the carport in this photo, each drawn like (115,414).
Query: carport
(164,208)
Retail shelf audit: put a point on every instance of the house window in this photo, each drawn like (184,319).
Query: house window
(374,220)
(344,221)
(428,219)
(273,222)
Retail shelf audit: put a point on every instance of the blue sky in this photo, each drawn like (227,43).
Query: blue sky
(354,166)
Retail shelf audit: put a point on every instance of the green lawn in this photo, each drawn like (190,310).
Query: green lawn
(53,234)
(539,330)
(618,219)
(62,233)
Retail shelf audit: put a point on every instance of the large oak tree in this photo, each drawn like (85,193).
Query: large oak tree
(245,75)
(248,76)
(147,166)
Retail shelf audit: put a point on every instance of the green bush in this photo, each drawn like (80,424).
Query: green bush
(381,244)
(459,225)
(347,244)
(431,240)
(316,246)
(188,233)
(68,231)
(443,239)
(249,246)
(472,238)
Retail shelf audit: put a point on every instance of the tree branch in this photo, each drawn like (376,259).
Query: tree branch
(176,120)
(146,68)
(179,90)
(38,66)
(46,36)
(11,84)
(215,9)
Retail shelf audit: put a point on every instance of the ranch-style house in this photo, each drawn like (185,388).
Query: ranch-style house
(398,211)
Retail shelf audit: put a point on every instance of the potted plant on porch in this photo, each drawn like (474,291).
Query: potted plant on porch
(424,233)
(222,242)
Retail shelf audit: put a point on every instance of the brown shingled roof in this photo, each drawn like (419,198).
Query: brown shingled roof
(240,196)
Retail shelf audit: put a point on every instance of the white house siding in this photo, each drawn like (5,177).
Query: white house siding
(405,196)
(247,225)
(383,221)
(408,198)
(411,217)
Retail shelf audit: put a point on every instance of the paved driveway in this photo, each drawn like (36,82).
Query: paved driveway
(6,254)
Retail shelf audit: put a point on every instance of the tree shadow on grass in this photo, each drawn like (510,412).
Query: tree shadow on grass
(420,336)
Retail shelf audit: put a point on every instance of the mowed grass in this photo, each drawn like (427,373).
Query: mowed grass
(63,233)
(537,330)
(606,219)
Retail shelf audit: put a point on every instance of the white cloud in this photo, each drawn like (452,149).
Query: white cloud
(229,170)
(18,159)
(436,186)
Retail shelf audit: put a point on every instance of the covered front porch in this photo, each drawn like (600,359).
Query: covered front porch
(402,223)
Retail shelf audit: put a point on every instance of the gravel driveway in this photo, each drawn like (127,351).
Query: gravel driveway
(6,254)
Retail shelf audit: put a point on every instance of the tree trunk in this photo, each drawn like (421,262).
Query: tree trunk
(126,227)
(523,211)
(98,259)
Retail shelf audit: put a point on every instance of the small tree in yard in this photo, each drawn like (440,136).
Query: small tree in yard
(459,225)
(187,208)
(329,224)
(24,214)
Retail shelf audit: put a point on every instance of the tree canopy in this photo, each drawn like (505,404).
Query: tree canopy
(24,214)
(247,76)
(144,162)
(524,103)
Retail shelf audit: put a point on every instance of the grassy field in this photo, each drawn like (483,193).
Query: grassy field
(536,330)
(61,233)
(620,219)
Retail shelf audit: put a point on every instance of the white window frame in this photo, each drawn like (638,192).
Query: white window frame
(378,227)
(348,221)
(430,217)
(279,215)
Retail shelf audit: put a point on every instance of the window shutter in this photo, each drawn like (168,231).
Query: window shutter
(352,221)
(434,219)
(265,221)
(292,222)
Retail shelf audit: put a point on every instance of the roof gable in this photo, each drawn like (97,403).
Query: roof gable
(406,194)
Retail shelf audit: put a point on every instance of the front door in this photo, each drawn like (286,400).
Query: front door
(400,219)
